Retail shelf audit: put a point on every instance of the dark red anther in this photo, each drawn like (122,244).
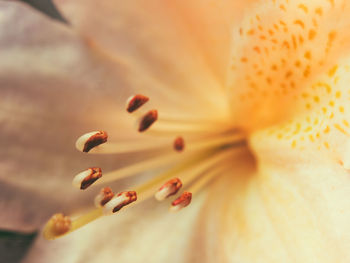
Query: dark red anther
(181,202)
(135,102)
(179,144)
(95,140)
(95,174)
(147,120)
(106,194)
(130,196)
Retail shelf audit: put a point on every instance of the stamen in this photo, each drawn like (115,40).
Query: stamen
(197,185)
(57,225)
(147,120)
(136,168)
(135,102)
(206,178)
(114,205)
(201,163)
(90,140)
(104,197)
(119,201)
(159,161)
(126,147)
(189,170)
(189,129)
(194,144)
(184,119)
(212,152)
(181,202)
(179,144)
(171,187)
(86,178)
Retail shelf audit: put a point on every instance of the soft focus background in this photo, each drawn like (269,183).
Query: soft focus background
(13,246)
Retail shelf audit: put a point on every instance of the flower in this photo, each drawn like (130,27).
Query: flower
(285,91)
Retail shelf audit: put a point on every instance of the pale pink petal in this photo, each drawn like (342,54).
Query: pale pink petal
(52,90)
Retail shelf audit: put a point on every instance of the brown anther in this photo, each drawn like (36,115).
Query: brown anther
(147,120)
(183,201)
(60,224)
(95,140)
(179,144)
(171,187)
(130,196)
(136,102)
(107,194)
(95,174)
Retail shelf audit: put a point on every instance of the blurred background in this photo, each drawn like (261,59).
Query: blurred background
(13,246)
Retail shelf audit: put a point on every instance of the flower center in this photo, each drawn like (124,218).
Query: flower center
(194,153)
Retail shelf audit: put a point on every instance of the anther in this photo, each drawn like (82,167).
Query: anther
(181,202)
(179,144)
(57,225)
(104,197)
(86,178)
(171,187)
(119,201)
(147,120)
(135,102)
(90,140)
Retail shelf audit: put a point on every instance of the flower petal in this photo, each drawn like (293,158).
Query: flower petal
(183,47)
(280,49)
(320,123)
(304,171)
(290,210)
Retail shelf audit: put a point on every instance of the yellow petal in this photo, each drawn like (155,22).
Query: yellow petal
(279,53)
(303,174)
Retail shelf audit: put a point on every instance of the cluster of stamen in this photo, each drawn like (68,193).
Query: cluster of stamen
(107,202)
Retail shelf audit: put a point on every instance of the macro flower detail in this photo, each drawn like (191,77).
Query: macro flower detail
(211,149)
(240,124)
